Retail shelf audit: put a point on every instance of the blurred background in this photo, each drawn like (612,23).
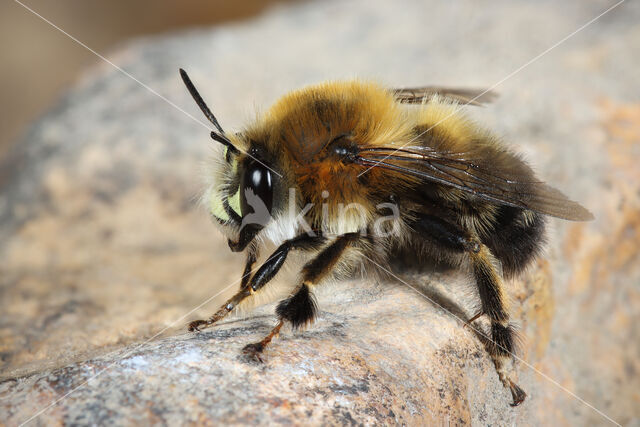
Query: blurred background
(37,62)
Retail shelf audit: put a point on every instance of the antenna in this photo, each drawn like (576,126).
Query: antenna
(216,136)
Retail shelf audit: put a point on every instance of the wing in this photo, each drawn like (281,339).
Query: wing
(418,95)
(512,187)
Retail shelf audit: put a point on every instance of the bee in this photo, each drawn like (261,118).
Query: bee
(458,196)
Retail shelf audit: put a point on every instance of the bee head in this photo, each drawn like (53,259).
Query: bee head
(240,196)
(242,190)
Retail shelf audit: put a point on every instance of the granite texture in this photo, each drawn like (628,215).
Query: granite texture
(105,255)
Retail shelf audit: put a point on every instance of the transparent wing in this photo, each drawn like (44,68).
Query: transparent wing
(507,187)
(418,95)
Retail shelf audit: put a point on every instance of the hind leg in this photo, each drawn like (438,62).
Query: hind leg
(494,305)
(500,344)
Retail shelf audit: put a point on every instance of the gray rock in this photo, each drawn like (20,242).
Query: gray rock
(104,255)
(363,364)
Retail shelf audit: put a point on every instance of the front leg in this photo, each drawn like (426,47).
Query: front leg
(265,273)
(232,302)
(300,308)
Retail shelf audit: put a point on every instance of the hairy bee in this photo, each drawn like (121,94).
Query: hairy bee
(349,175)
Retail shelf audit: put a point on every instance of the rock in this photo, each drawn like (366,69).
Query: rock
(104,255)
(361,362)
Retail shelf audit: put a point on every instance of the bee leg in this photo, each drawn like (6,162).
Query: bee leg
(494,304)
(222,312)
(265,273)
(254,350)
(271,266)
(300,308)
(452,237)
(473,319)
(232,302)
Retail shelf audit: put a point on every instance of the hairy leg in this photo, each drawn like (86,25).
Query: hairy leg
(494,305)
(500,344)
(300,308)
(265,273)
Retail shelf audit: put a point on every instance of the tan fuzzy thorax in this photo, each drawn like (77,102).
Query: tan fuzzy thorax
(301,124)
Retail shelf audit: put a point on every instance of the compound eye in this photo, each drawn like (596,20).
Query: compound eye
(256,183)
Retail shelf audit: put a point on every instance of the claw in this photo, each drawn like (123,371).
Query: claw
(517,393)
(253,351)
(474,318)
(194,326)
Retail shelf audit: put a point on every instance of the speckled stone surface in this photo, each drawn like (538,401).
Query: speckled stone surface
(105,255)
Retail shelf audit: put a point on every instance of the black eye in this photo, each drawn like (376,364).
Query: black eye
(257,179)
